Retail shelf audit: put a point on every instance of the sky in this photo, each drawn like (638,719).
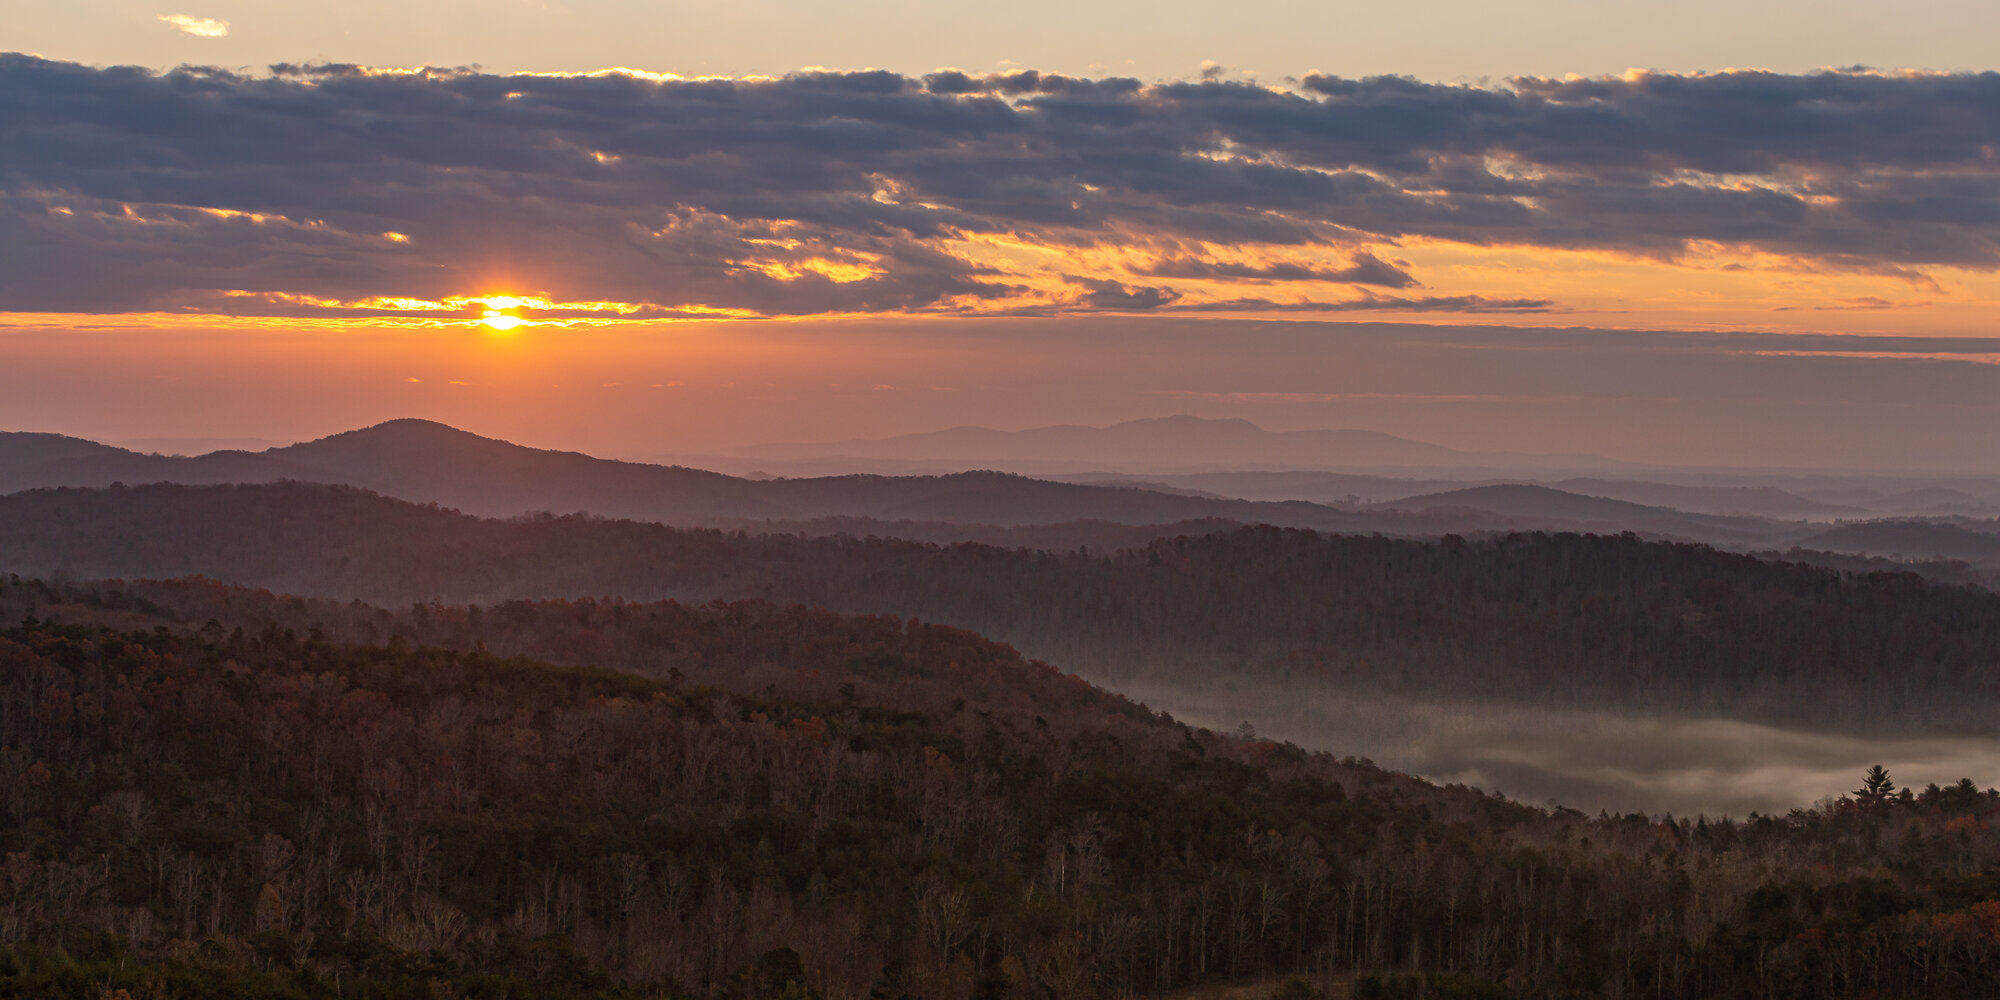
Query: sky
(1432,40)
(257,219)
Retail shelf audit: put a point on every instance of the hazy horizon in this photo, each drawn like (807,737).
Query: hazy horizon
(828,452)
(1650,399)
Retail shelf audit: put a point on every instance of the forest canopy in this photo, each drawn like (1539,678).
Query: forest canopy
(1582,620)
(267,811)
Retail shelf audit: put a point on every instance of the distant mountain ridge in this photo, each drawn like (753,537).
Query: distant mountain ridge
(428,462)
(1299,606)
(422,461)
(1531,506)
(1177,441)
(1915,539)
(1343,488)
(1742,501)
(1526,500)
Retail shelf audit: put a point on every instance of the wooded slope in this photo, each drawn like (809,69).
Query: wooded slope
(227,812)
(1540,618)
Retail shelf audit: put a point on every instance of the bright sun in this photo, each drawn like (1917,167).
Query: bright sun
(497,318)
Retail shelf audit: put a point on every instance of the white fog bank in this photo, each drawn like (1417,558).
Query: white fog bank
(1585,760)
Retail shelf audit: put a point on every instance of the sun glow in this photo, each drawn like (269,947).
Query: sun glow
(499,316)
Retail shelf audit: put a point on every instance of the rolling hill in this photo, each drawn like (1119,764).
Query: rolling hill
(1588,620)
(277,803)
(1532,507)
(1915,539)
(426,462)
(1159,443)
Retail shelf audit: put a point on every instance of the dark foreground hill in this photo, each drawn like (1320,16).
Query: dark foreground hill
(246,810)
(1547,619)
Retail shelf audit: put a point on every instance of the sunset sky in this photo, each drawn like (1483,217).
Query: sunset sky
(255,219)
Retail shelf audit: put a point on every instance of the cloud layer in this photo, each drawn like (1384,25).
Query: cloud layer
(200,27)
(337,190)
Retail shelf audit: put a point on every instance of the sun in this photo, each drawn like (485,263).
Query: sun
(497,317)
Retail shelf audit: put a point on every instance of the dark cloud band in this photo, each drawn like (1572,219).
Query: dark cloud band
(122,189)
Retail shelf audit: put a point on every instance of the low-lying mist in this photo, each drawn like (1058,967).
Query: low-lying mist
(1584,760)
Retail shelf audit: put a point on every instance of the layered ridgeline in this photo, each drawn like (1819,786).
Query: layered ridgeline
(258,806)
(427,462)
(1536,619)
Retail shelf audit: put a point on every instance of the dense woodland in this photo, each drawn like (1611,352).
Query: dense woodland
(227,811)
(1548,619)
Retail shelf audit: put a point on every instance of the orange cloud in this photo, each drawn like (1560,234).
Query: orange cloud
(1630,201)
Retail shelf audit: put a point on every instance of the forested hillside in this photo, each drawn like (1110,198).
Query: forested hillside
(743,646)
(1547,619)
(228,812)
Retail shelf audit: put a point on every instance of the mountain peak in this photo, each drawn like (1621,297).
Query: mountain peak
(405,428)
(407,436)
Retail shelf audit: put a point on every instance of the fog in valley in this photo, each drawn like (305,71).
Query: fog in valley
(1583,760)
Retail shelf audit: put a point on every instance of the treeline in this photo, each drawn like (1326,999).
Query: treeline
(741,646)
(1596,621)
(262,812)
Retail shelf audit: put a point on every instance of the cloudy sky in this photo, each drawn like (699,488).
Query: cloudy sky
(246,219)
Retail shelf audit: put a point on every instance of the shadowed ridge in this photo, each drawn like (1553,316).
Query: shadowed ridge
(36,446)
(425,460)
(1544,508)
(1179,440)
(413,437)
(429,462)
(1914,539)
(33,461)
(401,430)
(1734,501)
(1527,500)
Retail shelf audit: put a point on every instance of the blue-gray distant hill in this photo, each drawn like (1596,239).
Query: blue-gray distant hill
(427,462)
(1529,507)
(1348,488)
(1598,621)
(1975,542)
(1729,501)
(1182,442)
(1525,500)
